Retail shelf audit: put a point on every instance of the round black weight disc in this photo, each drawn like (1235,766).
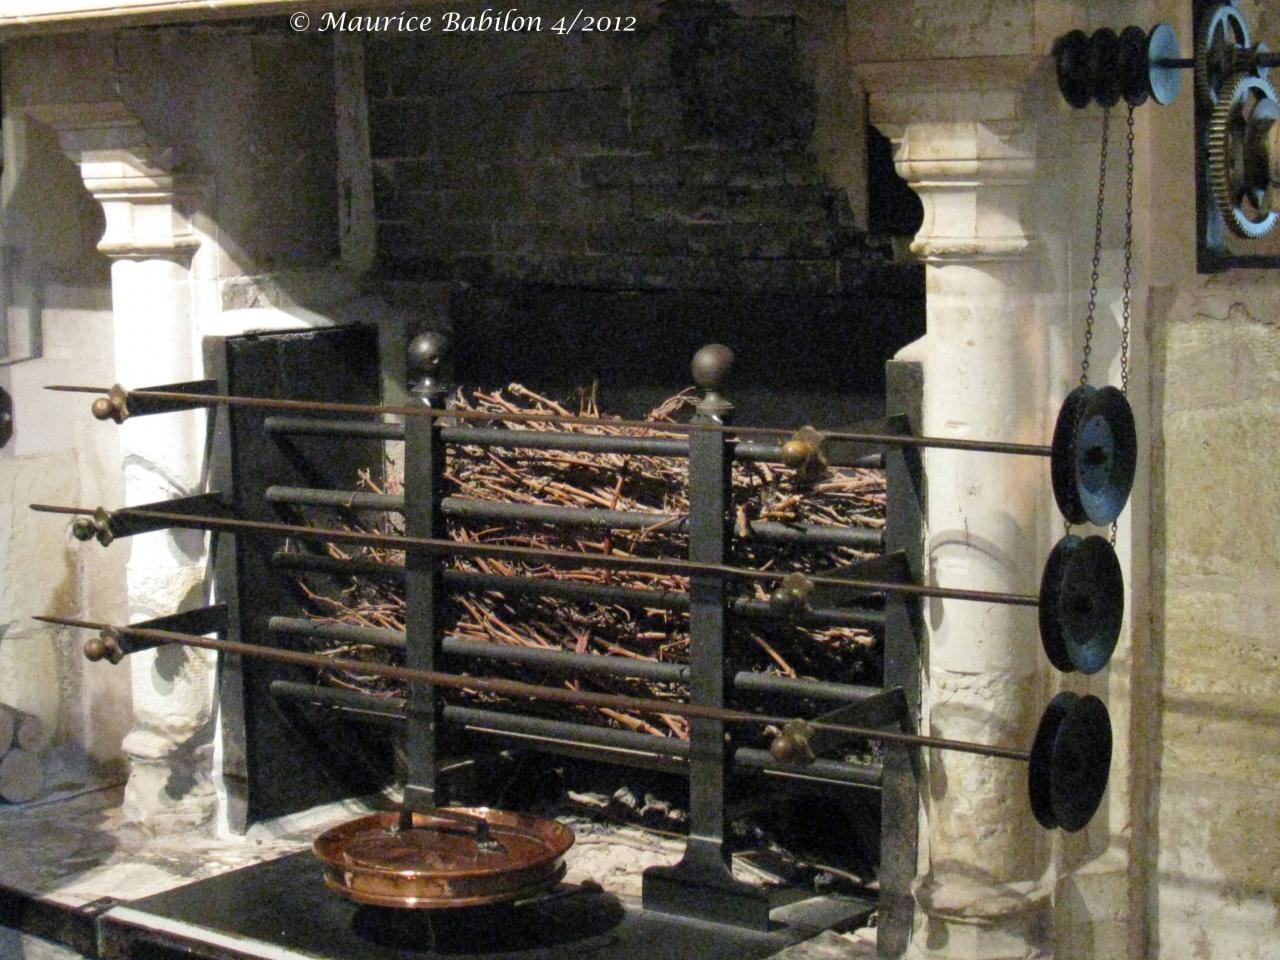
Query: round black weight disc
(1040,769)
(1133,66)
(1081,604)
(1104,67)
(1163,82)
(1081,763)
(1071,58)
(1106,455)
(1050,593)
(1070,762)
(1094,456)
(1062,460)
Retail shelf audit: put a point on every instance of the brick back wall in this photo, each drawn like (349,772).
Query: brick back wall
(601,204)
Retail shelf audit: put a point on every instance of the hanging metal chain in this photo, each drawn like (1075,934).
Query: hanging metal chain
(1127,304)
(1097,258)
(1097,248)
(1126,310)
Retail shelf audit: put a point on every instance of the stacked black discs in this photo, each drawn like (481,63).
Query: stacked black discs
(1105,67)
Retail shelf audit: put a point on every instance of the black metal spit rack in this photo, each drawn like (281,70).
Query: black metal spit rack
(272,454)
(265,460)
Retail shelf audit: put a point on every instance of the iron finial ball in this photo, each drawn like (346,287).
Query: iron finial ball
(427,352)
(794,744)
(711,366)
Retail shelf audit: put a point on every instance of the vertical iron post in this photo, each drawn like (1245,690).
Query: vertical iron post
(903,638)
(702,883)
(424,455)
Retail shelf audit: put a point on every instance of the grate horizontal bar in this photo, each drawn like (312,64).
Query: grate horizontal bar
(563,661)
(866,539)
(748,608)
(553,734)
(744,451)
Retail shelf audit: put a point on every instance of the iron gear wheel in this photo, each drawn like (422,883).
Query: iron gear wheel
(1223,34)
(1238,165)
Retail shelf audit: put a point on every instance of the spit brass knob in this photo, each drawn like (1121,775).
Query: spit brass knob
(114,406)
(792,593)
(803,454)
(794,744)
(105,646)
(83,529)
(95,527)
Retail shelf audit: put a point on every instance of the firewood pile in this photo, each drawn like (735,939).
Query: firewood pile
(644,484)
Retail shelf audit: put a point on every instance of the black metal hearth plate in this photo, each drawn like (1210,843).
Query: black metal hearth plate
(281,910)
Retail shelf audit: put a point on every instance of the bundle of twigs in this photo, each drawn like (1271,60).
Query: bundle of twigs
(642,484)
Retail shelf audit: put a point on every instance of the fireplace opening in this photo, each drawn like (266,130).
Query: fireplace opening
(580,225)
(580,217)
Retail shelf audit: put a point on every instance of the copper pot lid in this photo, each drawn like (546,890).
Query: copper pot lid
(452,857)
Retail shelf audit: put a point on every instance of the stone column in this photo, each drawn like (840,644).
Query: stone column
(995,359)
(986,359)
(150,240)
(1008,178)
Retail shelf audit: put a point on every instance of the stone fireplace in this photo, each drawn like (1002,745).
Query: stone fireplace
(706,176)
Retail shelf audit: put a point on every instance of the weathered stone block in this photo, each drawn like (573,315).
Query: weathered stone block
(1205,454)
(1220,639)
(533,238)
(871,275)
(1222,739)
(1221,360)
(387,202)
(740,79)
(1218,880)
(515,124)
(806,241)
(624,272)
(424,64)
(419,173)
(878,31)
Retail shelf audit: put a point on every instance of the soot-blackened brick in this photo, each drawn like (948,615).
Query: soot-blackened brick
(604,205)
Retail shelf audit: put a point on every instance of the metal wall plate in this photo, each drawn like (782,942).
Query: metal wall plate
(1217,248)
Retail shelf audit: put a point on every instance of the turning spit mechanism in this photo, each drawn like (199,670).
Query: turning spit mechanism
(1093,456)
(1068,764)
(381,860)
(1237,141)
